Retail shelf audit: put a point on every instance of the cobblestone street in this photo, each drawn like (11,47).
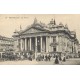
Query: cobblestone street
(72,61)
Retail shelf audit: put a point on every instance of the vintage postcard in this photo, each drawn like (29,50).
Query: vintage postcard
(39,39)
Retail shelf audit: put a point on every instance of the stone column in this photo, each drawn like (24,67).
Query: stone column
(25,44)
(1,55)
(35,44)
(21,42)
(73,47)
(57,47)
(49,44)
(46,44)
(35,47)
(41,43)
(30,43)
(66,45)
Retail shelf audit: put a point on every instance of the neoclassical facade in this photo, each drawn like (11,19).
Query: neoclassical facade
(42,38)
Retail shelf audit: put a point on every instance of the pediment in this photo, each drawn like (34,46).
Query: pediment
(32,30)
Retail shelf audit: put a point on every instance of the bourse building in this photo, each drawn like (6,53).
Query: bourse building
(42,38)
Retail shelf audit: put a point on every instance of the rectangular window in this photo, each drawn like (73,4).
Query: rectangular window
(54,49)
(54,39)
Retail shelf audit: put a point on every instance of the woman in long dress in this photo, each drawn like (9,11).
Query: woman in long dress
(56,60)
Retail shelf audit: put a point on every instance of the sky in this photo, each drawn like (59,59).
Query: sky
(11,22)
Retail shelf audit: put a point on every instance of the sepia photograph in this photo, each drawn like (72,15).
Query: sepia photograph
(39,39)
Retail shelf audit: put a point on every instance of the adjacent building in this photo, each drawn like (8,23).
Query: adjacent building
(79,49)
(6,45)
(42,38)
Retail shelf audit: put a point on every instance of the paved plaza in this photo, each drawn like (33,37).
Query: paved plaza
(72,61)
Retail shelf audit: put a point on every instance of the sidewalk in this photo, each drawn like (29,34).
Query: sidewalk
(20,62)
(72,61)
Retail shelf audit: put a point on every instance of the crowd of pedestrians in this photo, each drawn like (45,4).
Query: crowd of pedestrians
(16,56)
(43,57)
(56,58)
